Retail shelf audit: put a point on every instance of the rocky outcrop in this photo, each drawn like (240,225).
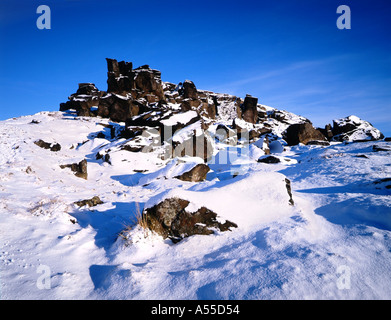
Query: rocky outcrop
(86,97)
(131,92)
(170,219)
(138,98)
(354,129)
(302,133)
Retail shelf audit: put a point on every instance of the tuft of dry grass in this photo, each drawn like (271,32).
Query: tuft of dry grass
(140,220)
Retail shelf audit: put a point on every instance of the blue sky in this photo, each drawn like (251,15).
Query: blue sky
(288,53)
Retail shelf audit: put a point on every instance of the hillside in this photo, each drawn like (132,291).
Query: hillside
(238,200)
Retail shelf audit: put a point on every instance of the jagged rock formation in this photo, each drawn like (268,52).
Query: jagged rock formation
(132,92)
(182,120)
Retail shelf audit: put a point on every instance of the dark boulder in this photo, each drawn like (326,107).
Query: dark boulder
(189,90)
(80,169)
(170,219)
(269,159)
(302,133)
(46,145)
(94,201)
(196,174)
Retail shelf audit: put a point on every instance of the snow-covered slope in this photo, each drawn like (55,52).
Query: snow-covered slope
(333,243)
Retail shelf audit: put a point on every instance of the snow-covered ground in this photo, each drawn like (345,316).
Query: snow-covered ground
(334,243)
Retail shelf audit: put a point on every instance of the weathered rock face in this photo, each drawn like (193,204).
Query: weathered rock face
(302,133)
(189,90)
(250,113)
(197,174)
(170,219)
(119,76)
(147,84)
(118,108)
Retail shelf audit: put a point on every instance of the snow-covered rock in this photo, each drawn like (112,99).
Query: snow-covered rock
(354,129)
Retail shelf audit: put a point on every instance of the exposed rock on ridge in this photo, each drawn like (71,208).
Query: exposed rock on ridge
(139,98)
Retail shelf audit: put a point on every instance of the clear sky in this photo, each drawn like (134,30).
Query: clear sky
(288,53)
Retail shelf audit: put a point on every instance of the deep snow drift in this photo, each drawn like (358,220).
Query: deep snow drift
(333,243)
